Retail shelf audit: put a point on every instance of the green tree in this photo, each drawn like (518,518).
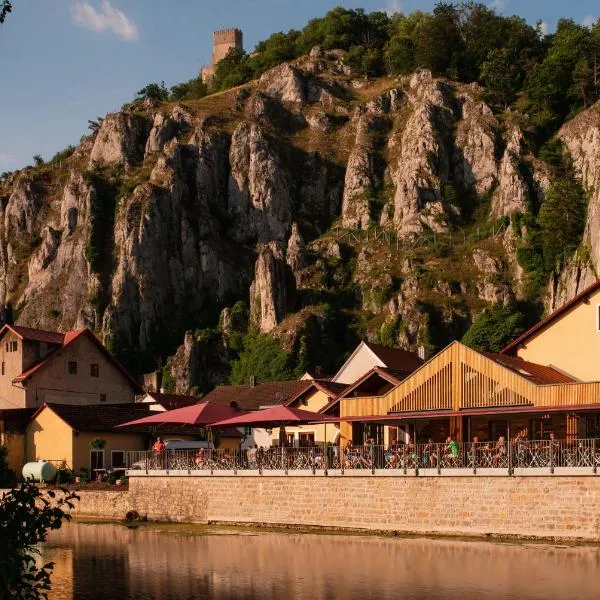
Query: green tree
(500,75)
(189,90)
(263,358)
(38,161)
(5,8)
(26,515)
(494,328)
(233,70)
(562,220)
(153,91)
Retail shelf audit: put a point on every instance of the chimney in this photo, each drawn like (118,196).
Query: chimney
(252,381)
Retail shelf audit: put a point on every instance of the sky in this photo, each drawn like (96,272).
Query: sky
(63,62)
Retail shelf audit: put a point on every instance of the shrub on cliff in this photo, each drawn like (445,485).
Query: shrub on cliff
(494,328)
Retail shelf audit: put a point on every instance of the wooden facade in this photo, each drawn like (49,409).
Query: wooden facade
(460,378)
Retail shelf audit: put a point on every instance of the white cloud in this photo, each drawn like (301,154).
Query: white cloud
(589,21)
(544,27)
(498,5)
(393,6)
(106,17)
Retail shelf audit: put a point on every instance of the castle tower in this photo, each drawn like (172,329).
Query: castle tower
(223,41)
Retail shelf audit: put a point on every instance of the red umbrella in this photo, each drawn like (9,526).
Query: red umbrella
(276,416)
(200,415)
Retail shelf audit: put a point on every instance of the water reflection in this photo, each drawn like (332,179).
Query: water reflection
(111,561)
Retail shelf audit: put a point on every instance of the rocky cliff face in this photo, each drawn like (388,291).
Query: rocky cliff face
(309,192)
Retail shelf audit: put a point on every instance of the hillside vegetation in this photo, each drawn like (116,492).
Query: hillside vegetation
(409,179)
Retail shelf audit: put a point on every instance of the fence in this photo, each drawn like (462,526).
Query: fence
(409,458)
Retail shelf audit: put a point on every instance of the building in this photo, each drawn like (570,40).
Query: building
(161,402)
(13,424)
(62,433)
(317,397)
(255,396)
(68,368)
(368,356)
(223,41)
(568,339)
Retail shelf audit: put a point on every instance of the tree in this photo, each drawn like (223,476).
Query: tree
(7,475)
(494,328)
(153,91)
(5,8)
(562,220)
(233,70)
(500,75)
(193,89)
(38,161)
(263,358)
(26,516)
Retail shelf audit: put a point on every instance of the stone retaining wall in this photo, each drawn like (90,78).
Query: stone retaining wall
(542,507)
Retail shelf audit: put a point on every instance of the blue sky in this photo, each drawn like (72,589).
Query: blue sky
(63,62)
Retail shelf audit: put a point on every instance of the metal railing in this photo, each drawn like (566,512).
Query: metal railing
(519,454)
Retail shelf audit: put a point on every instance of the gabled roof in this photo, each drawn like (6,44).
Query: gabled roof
(96,417)
(261,394)
(544,323)
(34,335)
(173,401)
(538,374)
(330,388)
(69,338)
(396,359)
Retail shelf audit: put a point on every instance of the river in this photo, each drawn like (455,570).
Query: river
(175,562)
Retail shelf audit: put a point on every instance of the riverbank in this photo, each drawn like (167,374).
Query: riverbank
(538,508)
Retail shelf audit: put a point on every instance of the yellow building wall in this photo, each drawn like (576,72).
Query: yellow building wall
(15,444)
(48,437)
(11,396)
(571,343)
(314,403)
(114,441)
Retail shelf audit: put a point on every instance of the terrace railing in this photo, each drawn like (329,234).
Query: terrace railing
(409,458)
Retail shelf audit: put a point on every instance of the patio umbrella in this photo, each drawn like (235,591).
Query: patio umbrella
(276,416)
(200,415)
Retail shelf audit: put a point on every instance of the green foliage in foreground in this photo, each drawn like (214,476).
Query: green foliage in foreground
(26,516)
(7,476)
(494,328)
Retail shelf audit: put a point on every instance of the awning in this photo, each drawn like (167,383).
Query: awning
(470,412)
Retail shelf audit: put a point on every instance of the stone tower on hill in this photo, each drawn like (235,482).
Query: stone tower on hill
(223,41)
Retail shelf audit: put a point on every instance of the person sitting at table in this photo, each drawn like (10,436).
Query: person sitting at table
(451,450)
(500,451)
(430,456)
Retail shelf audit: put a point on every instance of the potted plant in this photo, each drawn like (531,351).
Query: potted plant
(98,444)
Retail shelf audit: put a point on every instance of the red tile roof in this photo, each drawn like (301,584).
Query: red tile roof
(514,345)
(262,394)
(538,374)
(69,338)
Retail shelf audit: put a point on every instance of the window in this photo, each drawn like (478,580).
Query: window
(96,462)
(94,370)
(3,367)
(72,367)
(117,459)
(598,317)
(12,346)
(102,397)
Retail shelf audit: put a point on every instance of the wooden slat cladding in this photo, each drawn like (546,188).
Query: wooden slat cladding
(459,377)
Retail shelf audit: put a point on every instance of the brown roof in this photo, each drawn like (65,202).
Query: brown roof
(538,374)
(15,420)
(34,335)
(253,397)
(514,345)
(173,401)
(396,358)
(97,417)
(330,388)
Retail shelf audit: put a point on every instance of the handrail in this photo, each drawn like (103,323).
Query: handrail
(474,456)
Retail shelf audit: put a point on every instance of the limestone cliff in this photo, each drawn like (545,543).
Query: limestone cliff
(334,206)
